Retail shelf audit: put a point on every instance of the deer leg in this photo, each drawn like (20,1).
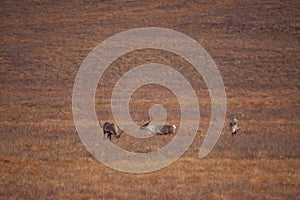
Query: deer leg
(106,134)
(113,133)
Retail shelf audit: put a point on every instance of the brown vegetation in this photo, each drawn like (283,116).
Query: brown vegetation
(256,47)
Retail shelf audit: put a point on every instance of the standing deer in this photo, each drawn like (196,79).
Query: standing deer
(110,129)
(234,124)
(159,130)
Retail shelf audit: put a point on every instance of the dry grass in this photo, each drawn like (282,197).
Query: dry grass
(255,46)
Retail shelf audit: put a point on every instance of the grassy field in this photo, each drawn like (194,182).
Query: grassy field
(256,47)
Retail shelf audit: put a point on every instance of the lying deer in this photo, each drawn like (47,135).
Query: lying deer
(234,124)
(159,130)
(110,129)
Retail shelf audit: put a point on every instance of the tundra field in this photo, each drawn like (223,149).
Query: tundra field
(255,45)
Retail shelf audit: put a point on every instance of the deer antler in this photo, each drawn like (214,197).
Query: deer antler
(231,115)
(149,118)
(240,114)
(146,123)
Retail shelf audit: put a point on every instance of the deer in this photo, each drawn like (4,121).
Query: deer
(110,129)
(159,130)
(234,124)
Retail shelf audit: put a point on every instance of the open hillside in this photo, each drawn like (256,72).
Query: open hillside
(255,45)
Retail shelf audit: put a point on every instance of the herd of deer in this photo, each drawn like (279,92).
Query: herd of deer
(111,129)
